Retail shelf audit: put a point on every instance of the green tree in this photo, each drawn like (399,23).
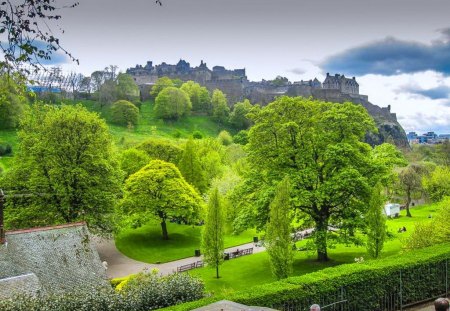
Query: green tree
(376,223)
(12,100)
(158,190)
(107,93)
(171,104)
(132,160)
(161,149)
(278,233)
(199,95)
(126,88)
(160,85)
(410,183)
(225,138)
(238,117)
(220,109)
(241,137)
(124,112)
(437,184)
(191,168)
(66,158)
(320,147)
(213,231)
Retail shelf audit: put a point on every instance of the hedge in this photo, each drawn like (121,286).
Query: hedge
(370,285)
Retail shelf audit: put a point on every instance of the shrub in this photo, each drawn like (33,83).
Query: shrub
(225,138)
(197,135)
(176,134)
(142,292)
(241,137)
(124,112)
(5,149)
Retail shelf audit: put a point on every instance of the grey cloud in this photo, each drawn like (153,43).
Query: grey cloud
(440,92)
(392,56)
(297,71)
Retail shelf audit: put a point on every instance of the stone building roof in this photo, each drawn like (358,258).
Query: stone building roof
(61,258)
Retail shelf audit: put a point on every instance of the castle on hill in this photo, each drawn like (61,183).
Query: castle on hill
(236,85)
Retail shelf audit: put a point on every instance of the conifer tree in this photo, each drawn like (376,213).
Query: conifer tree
(212,237)
(278,236)
(376,223)
(191,168)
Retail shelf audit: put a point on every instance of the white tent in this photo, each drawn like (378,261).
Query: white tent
(392,209)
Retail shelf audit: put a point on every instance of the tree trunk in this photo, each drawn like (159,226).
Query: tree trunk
(321,239)
(408,202)
(217,270)
(164,229)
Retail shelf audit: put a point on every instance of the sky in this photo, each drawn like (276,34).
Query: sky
(399,50)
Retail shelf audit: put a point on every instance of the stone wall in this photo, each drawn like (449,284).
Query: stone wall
(233,88)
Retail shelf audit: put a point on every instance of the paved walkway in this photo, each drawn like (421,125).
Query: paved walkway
(120,265)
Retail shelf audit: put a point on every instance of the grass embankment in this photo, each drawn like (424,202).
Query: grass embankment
(242,273)
(146,244)
(148,126)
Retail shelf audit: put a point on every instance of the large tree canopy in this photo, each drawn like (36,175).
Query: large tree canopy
(66,160)
(159,191)
(320,147)
(172,104)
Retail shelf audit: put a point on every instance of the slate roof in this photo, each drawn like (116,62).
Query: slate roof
(61,257)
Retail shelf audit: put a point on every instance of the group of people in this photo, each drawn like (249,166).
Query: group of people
(440,304)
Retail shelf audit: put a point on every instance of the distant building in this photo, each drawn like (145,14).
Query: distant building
(49,259)
(340,82)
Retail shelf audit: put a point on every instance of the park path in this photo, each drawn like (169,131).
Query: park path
(120,265)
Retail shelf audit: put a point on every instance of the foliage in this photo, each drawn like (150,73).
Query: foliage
(443,153)
(437,184)
(410,182)
(66,160)
(219,105)
(29,40)
(320,147)
(107,93)
(126,88)
(362,284)
(12,100)
(158,190)
(435,232)
(213,232)
(225,138)
(5,149)
(124,112)
(161,149)
(160,85)
(278,233)
(199,95)
(376,223)
(172,104)
(241,137)
(191,168)
(280,81)
(142,292)
(132,160)
(197,135)
(238,117)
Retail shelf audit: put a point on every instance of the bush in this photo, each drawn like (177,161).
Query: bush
(124,112)
(421,273)
(172,104)
(142,292)
(241,137)
(176,134)
(197,135)
(5,149)
(225,138)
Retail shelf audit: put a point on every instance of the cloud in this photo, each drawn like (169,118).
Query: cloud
(298,71)
(392,56)
(57,57)
(435,93)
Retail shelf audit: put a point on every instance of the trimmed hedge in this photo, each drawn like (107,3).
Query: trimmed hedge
(370,285)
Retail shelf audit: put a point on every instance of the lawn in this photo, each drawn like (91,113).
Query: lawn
(146,244)
(245,272)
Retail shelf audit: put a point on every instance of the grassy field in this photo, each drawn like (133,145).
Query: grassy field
(145,243)
(247,271)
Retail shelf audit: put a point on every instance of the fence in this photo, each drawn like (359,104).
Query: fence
(392,292)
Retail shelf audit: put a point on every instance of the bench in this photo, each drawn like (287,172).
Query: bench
(238,253)
(190,266)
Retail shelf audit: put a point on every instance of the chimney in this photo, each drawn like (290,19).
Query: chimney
(2,231)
